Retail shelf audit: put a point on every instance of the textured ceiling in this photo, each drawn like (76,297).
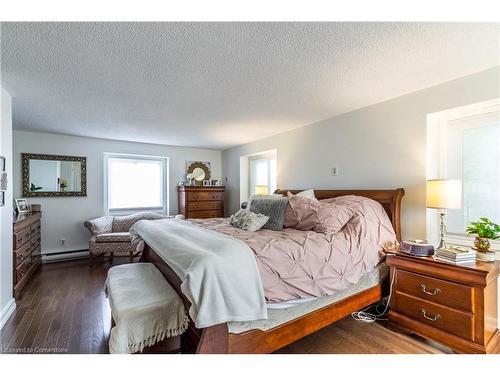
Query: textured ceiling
(217,85)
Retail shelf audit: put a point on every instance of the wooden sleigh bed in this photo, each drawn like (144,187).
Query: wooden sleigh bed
(218,339)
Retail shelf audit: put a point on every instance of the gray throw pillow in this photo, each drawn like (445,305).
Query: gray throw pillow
(274,208)
(247,220)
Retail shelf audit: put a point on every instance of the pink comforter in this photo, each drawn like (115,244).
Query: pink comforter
(302,264)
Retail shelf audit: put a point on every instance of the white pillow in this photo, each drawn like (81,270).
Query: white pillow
(307,194)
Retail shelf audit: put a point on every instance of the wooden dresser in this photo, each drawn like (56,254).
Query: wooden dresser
(201,202)
(451,304)
(27,248)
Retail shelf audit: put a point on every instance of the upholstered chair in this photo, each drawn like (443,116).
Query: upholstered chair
(110,234)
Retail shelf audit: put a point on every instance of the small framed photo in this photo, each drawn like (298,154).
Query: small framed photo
(206,183)
(214,182)
(2,198)
(2,163)
(22,206)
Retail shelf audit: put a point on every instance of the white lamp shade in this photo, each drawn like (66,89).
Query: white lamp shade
(261,190)
(444,194)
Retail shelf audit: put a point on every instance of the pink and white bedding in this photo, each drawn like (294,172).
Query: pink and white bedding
(303,264)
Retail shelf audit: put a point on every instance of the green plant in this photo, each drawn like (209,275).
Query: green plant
(63,183)
(484,228)
(33,187)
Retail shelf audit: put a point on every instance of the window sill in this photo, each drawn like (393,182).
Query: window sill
(130,211)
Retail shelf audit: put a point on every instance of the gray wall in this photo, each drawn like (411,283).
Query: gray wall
(381,146)
(63,217)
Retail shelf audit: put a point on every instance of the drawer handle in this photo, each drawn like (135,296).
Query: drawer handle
(433,319)
(433,293)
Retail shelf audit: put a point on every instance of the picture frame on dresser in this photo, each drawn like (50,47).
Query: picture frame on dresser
(22,206)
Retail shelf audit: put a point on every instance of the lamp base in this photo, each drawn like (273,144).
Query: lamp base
(442,245)
(442,227)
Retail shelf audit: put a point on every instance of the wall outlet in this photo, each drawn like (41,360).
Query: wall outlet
(335,171)
(62,241)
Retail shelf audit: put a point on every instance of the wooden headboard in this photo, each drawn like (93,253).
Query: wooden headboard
(389,199)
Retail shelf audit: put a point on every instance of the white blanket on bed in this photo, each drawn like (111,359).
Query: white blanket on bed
(219,273)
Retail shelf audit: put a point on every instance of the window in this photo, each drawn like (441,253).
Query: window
(263,174)
(468,143)
(134,183)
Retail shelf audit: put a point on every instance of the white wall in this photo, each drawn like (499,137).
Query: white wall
(381,146)
(6,298)
(63,217)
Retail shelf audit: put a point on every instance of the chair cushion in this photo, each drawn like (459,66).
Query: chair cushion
(124,223)
(113,237)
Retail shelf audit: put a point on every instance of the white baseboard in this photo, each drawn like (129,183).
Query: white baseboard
(62,257)
(7,311)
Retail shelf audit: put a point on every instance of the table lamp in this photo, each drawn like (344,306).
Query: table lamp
(261,190)
(444,194)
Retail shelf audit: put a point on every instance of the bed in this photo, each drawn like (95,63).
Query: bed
(287,325)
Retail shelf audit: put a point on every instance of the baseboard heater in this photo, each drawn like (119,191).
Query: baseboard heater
(65,255)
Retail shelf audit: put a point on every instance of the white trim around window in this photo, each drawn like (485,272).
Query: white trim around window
(160,207)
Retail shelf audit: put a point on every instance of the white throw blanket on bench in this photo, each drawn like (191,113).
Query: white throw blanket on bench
(145,308)
(219,273)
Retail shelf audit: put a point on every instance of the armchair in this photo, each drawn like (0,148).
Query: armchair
(110,234)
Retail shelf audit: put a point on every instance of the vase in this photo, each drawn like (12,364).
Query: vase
(482,243)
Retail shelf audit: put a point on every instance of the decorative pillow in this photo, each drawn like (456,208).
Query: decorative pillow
(261,196)
(319,216)
(248,220)
(307,194)
(274,208)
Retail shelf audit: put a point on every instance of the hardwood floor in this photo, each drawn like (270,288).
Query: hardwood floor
(64,310)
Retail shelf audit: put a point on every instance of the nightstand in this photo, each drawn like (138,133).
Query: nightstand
(454,305)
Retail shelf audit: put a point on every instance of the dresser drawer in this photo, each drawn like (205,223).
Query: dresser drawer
(36,255)
(450,320)
(205,214)
(21,253)
(36,241)
(35,229)
(23,268)
(204,196)
(435,290)
(21,237)
(207,205)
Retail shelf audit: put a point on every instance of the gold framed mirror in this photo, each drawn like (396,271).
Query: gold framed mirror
(54,175)
(200,171)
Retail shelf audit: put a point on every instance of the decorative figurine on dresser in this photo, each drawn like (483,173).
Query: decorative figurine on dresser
(452,303)
(26,247)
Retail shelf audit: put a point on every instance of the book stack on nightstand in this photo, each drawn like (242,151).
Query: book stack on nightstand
(455,304)
(457,255)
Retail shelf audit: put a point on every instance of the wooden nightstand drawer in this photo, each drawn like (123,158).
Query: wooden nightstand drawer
(446,319)
(435,290)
